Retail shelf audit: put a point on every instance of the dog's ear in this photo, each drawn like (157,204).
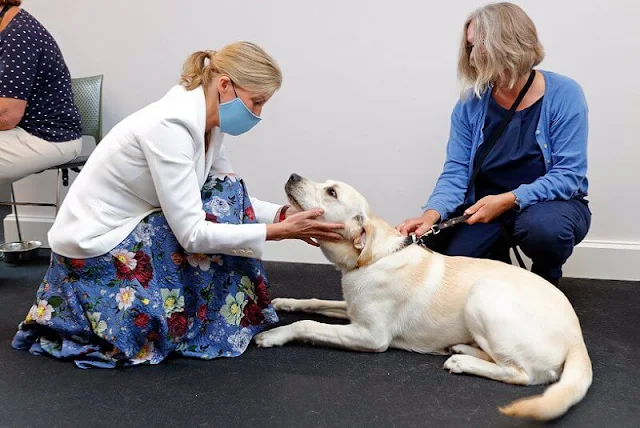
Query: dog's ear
(367,237)
(362,234)
(358,234)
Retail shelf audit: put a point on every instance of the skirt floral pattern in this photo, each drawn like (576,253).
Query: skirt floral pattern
(148,298)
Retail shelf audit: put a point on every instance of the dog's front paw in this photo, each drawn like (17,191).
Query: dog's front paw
(271,338)
(454,364)
(284,304)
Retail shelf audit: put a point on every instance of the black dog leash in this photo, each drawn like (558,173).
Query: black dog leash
(436,228)
(412,238)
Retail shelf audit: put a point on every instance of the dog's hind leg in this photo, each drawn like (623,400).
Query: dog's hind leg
(475,366)
(349,336)
(471,350)
(328,308)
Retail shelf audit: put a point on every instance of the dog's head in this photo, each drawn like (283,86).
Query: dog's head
(341,204)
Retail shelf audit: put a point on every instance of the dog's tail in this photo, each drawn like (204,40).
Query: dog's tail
(559,397)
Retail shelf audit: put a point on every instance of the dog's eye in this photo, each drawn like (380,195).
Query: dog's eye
(332,192)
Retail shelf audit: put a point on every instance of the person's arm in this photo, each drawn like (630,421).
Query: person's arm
(11,112)
(568,140)
(18,68)
(170,150)
(451,187)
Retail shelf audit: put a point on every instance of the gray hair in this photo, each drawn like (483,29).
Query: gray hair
(506,47)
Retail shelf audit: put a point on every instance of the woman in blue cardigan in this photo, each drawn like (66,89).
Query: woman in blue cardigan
(530,189)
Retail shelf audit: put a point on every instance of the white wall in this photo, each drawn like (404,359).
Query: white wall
(368,90)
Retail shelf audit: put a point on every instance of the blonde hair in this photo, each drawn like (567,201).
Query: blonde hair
(246,64)
(506,47)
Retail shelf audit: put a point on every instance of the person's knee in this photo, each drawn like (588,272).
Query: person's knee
(481,240)
(542,235)
(4,178)
(69,151)
(10,173)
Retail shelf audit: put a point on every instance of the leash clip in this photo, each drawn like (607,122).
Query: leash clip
(420,240)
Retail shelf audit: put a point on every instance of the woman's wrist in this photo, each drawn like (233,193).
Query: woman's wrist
(512,200)
(275,232)
(431,215)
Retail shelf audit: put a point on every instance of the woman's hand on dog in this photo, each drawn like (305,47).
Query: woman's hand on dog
(305,226)
(419,225)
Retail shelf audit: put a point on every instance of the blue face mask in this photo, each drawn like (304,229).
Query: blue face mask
(235,117)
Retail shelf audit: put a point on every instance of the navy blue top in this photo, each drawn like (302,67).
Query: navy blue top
(32,69)
(516,158)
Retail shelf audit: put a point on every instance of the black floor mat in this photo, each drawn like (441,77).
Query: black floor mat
(303,386)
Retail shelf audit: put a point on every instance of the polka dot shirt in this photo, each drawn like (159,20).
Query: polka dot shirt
(32,69)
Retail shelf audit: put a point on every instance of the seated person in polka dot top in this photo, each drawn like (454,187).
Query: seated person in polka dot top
(39,123)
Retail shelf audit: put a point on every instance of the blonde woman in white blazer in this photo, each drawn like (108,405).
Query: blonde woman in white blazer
(157,246)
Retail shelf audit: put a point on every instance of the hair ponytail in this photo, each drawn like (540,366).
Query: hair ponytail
(196,71)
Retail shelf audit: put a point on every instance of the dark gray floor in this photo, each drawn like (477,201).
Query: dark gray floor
(303,386)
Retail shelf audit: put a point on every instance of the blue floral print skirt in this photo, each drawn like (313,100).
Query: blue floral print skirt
(148,298)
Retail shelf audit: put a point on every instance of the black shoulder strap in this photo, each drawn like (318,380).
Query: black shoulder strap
(491,141)
(3,11)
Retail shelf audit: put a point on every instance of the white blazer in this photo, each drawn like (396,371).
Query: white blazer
(154,160)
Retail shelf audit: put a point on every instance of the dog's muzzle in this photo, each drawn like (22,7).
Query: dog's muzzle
(291,187)
(292,182)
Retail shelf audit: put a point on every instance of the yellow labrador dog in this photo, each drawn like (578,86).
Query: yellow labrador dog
(500,321)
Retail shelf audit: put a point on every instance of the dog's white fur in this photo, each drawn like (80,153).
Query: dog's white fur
(499,321)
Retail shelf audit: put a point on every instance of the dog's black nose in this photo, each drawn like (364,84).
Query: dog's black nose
(295,177)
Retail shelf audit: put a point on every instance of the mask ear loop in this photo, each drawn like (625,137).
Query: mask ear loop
(234,92)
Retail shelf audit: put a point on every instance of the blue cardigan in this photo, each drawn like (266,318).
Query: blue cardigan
(561,134)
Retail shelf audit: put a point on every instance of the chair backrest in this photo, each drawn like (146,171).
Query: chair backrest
(87,94)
